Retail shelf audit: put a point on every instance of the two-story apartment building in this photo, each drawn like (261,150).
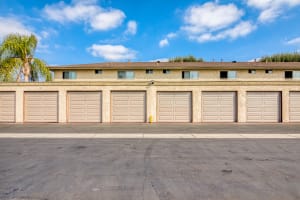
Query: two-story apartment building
(158,92)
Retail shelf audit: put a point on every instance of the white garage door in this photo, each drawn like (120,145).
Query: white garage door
(7,106)
(40,107)
(84,106)
(128,106)
(294,108)
(174,107)
(219,106)
(263,107)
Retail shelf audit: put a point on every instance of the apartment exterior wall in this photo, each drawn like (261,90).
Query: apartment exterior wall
(175,74)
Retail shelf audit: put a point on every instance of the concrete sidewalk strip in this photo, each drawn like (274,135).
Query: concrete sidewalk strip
(146,136)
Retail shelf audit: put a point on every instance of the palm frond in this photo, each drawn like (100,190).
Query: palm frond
(39,67)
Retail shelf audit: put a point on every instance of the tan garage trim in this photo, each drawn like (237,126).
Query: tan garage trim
(40,106)
(174,106)
(84,106)
(219,107)
(7,106)
(263,106)
(128,106)
(294,108)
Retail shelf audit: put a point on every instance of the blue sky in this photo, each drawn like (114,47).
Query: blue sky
(89,31)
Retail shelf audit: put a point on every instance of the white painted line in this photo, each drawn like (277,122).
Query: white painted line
(146,136)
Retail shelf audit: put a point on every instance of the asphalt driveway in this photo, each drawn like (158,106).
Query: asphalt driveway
(150,169)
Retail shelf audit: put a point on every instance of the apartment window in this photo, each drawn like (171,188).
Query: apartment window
(69,75)
(269,71)
(288,74)
(98,71)
(125,75)
(252,71)
(166,71)
(149,71)
(190,75)
(292,74)
(227,74)
(296,74)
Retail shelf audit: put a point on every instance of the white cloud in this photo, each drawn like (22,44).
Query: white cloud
(13,25)
(210,17)
(112,52)
(240,30)
(87,12)
(171,35)
(131,28)
(271,9)
(163,42)
(107,20)
(212,22)
(294,41)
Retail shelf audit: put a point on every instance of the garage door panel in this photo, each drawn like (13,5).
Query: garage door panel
(218,106)
(41,106)
(128,106)
(84,106)
(7,106)
(263,106)
(294,108)
(174,106)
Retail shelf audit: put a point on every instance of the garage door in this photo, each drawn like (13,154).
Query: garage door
(84,106)
(294,108)
(40,107)
(219,106)
(128,106)
(174,106)
(263,107)
(7,106)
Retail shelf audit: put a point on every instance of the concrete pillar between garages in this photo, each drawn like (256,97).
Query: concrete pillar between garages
(62,106)
(285,105)
(106,105)
(196,106)
(241,106)
(19,105)
(151,103)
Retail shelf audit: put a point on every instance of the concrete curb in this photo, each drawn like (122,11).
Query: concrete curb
(145,136)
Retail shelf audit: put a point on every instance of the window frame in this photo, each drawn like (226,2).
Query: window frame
(126,74)
(98,71)
(269,71)
(69,75)
(252,71)
(166,71)
(149,71)
(228,74)
(189,75)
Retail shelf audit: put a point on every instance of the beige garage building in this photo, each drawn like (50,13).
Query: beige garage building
(128,106)
(84,106)
(219,107)
(263,107)
(158,92)
(174,106)
(40,106)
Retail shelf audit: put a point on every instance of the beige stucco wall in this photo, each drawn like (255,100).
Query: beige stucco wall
(196,87)
(89,75)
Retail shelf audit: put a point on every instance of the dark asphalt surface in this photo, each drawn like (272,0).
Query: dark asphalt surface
(150,128)
(137,169)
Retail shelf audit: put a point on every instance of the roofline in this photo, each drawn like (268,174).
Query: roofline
(181,65)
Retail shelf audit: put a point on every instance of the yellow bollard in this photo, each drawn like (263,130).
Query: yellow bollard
(150,119)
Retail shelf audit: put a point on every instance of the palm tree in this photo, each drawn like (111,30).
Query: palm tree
(17,59)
